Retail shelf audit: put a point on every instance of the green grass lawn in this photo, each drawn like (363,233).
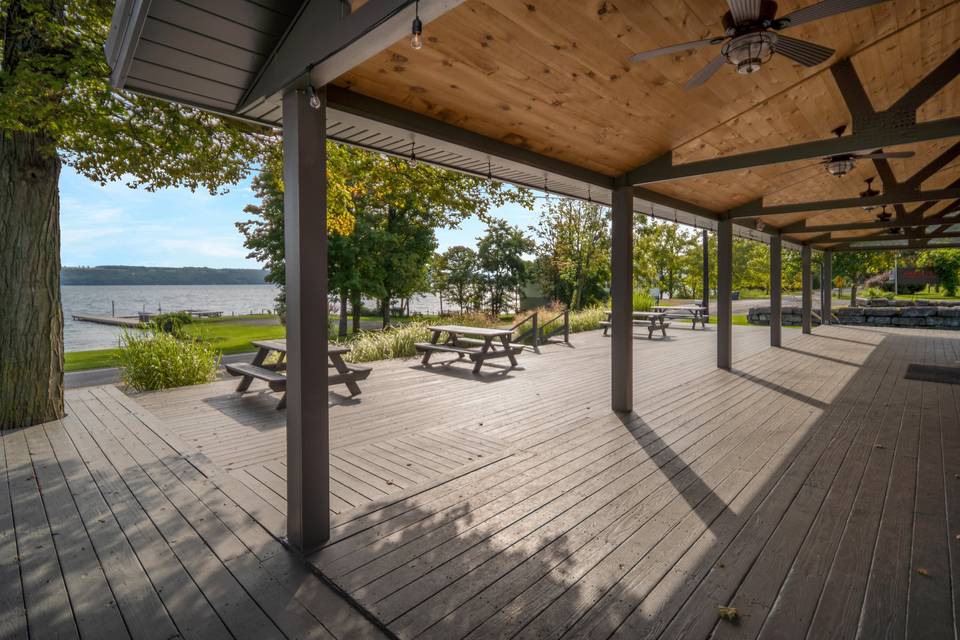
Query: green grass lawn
(926,296)
(228,334)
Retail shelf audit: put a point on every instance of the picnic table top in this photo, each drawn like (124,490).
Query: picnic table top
(471,331)
(281,345)
(645,314)
(685,307)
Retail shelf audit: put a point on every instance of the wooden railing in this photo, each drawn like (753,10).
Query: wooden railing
(532,333)
(547,332)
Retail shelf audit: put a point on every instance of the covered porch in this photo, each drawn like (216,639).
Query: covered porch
(813,487)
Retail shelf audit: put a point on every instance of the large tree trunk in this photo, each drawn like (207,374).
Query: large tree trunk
(31,318)
(385,311)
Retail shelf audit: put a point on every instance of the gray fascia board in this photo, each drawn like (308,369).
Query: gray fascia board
(126,25)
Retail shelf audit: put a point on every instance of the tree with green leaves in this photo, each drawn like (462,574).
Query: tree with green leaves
(573,251)
(382,213)
(460,264)
(855,266)
(946,264)
(56,107)
(501,265)
(660,256)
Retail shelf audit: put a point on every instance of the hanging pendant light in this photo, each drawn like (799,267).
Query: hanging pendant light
(416,35)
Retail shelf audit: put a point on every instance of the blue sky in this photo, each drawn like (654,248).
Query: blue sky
(177,228)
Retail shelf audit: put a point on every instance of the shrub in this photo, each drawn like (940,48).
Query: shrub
(588,319)
(642,301)
(874,292)
(158,360)
(171,323)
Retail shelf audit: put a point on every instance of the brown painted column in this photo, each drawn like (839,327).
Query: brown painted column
(806,299)
(776,289)
(706,273)
(826,287)
(621,300)
(724,293)
(305,242)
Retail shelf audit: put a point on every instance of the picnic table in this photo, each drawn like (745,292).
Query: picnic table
(347,374)
(695,311)
(477,343)
(652,320)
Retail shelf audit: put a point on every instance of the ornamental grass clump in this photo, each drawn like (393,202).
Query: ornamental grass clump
(158,360)
(587,319)
(395,342)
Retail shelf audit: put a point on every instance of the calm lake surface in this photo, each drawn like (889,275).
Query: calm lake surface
(237,299)
(129,299)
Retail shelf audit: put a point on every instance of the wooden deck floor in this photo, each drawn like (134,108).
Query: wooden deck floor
(107,531)
(813,488)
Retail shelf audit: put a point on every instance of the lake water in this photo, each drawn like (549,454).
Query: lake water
(130,299)
(235,299)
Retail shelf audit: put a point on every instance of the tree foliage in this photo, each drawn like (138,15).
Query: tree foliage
(382,214)
(855,266)
(573,251)
(54,81)
(946,264)
(501,264)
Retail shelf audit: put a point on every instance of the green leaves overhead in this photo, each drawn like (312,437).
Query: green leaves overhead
(54,80)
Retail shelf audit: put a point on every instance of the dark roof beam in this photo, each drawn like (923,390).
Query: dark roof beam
(871,130)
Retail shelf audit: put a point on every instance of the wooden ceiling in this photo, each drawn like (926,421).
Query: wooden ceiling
(553,76)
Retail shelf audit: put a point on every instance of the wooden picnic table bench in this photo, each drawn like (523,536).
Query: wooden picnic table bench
(477,343)
(696,312)
(347,374)
(652,320)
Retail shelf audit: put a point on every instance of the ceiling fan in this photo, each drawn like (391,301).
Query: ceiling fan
(870,193)
(841,165)
(751,31)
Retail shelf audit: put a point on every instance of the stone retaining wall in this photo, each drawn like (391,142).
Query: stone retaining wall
(938,317)
(789,316)
(897,313)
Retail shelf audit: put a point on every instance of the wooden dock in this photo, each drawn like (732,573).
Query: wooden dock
(131,322)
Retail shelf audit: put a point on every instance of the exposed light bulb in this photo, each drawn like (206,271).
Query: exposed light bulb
(416,37)
(312,98)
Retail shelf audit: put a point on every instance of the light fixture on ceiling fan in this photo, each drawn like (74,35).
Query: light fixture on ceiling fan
(751,37)
(842,164)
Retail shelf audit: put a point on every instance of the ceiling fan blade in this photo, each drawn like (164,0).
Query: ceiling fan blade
(806,53)
(744,10)
(704,74)
(684,46)
(888,154)
(822,10)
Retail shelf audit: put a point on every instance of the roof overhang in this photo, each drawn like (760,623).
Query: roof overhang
(236,59)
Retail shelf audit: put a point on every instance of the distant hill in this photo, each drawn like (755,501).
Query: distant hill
(120,274)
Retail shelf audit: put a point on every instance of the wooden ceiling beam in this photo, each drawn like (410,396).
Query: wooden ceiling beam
(932,83)
(872,225)
(871,129)
(662,169)
(900,196)
(912,245)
